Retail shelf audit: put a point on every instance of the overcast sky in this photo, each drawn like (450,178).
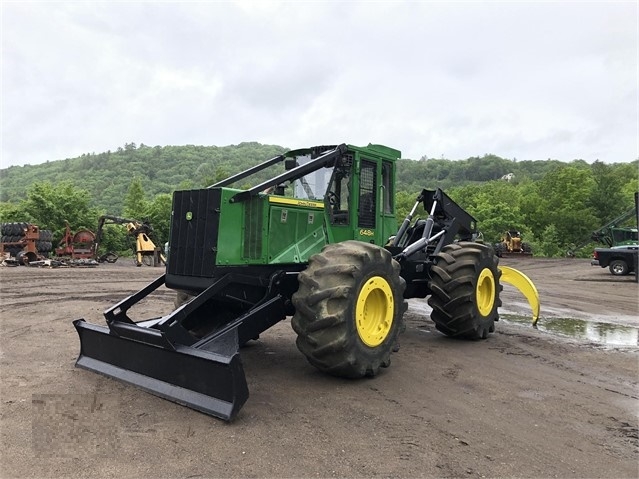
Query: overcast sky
(525,80)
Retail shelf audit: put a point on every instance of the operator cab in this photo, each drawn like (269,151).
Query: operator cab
(353,185)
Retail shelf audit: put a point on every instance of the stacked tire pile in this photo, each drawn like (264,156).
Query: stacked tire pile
(14,233)
(44,245)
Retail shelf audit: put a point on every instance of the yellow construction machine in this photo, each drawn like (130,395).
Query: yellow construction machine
(145,250)
(511,244)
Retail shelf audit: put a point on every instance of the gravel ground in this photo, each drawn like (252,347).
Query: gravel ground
(524,403)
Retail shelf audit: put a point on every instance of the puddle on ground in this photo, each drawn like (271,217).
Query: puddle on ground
(602,333)
(584,329)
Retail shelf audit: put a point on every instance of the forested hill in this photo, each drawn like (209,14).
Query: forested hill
(107,176)
(556,205)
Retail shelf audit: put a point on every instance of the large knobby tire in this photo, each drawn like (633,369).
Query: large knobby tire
(43,246)
(349,309)
(465,290)
(46,235)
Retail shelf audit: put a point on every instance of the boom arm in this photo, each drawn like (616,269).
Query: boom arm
(603,234)
(448,216)
(110,220)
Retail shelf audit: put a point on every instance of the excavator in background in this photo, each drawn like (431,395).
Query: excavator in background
(27,243)
(145,250)
(84,244)
(612,234)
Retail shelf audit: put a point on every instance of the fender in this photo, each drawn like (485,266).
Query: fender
(525,285)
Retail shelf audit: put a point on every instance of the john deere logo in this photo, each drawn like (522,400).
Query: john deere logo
(189,216)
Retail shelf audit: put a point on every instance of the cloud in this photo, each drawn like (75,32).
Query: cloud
(517,79)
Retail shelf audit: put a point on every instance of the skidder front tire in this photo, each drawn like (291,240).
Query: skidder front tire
(465,290)
(349,309)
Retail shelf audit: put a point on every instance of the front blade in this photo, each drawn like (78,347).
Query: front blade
(210,382)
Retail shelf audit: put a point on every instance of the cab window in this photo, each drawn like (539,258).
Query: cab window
(367,195)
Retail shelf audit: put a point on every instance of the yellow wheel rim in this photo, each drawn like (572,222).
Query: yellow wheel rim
(485,292)
(374,311)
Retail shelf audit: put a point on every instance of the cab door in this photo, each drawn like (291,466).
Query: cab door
(367,202)
(387,202)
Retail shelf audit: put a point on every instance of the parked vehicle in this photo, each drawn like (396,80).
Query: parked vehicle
(511,244)
(311,243)
(620,260)
(614,233)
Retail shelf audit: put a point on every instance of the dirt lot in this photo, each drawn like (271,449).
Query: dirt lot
(524,403)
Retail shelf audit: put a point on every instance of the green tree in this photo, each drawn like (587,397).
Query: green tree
(561,199)
(11,212)
(495,218)
(404,202)
(495,206)
(607,196)
(630,173)
(115,239)
(135,203)
(548,243)
(158,213)
(51,206)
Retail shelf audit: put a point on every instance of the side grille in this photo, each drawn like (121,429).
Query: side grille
(194,232)
(253,223)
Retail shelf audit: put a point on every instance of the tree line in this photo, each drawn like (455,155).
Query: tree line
(555,205)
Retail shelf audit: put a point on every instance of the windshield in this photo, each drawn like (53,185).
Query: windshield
(621,235)
(311,186)
(296,175)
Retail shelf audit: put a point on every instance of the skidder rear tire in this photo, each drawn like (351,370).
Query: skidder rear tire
(349,309)
(465,290)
